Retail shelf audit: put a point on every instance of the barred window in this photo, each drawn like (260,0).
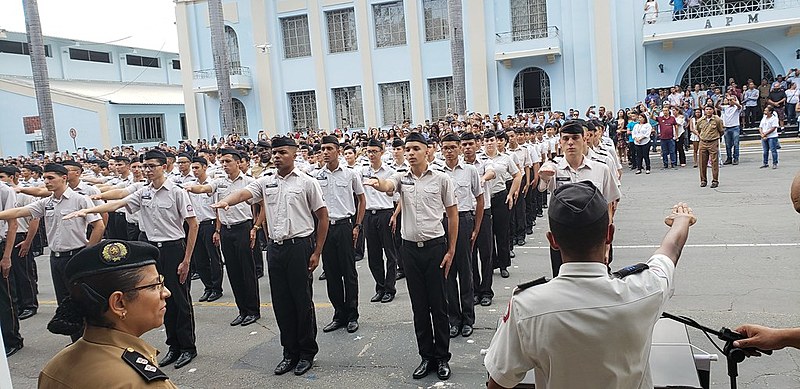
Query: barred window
(342,30)
(239,118)
(437,26)
(396,102)
(296,42)
(528,19)
(303,110)
(441,94)
(141,128)
(349,107)
(390,24)
(232,41)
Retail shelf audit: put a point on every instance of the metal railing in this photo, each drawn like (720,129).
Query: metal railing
(526,35)
(709,8)
(211,73)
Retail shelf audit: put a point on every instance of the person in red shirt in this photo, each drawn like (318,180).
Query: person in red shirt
(667,134)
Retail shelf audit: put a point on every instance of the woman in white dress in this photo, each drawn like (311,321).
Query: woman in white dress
(650,11)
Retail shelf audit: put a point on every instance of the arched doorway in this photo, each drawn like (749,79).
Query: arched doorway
(719,65)
(239,117)
(531,90)
(232,41)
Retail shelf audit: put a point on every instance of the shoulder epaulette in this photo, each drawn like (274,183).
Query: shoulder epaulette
(142,365)
(632,269)
(526,285)
(598,160)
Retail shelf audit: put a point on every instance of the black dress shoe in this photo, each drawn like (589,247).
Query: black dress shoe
(540,213)
(387,298)
(476,300)
(239,319)
(333,326)
(423,369)
(400,275)
(504,273)
(214,296)
(352,326)
(302,367)
(185,358)
(486,301)
(12,350)
(454,331)
(195,276)
(466,331)
(285,366)
(323,277)
(529,231)
(443,370)
(250,319)
(521,242)
(27,314)
(511,254)
(205,295)
(169,358)
(377,297)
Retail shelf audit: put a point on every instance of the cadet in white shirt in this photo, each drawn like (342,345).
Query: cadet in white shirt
(64,237)
(379,209)
(503,197)
(9,321)
(233,232)
(206,256)
(568,330)
(425,195)
(339,184)
(469,195)
(291,201)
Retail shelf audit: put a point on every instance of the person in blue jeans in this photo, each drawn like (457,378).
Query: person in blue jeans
(769,137)
(667,134)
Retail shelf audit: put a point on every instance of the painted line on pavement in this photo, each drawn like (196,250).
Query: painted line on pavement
(206,304)
(723,245)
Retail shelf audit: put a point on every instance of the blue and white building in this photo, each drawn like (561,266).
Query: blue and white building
(111,95)
(363,63)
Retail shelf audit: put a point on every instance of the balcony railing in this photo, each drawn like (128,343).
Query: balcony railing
(211,73)
(526,35)
(710,8)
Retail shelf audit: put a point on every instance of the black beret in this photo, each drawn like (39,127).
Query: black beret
(156,154)
(468,136)
(280,141)
(200,160)
(375,143)
(264,143)
(397,142)
(577,205)
(121,158)
(70,162)
(169,154)
(185,155)
(231,152)
(451,138)
(102,163)
(9,170)
(432,141)
(207,151)
(572,127)
(316,148)
(489,134)
(55,168)
(416,137)
(110,255)
(502,135)
(36,168)
(330,139)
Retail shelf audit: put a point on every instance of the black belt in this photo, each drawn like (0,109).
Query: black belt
(291,241)
(341,221)
(377,211)
(167,243)
(503,192)
(22,234)
(232,226)
(712,140)
(207,222)
(70,253)
(427,243)
(487,212)
(466,213)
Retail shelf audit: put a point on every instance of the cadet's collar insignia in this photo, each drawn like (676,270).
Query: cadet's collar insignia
(526,285)
(142,365)
(114,253)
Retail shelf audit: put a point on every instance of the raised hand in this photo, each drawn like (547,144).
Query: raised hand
(680,210)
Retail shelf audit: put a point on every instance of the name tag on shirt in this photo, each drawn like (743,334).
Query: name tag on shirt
(272,185)
(407,182)
(322,177)
(147,196)
(562,178)
(49,207)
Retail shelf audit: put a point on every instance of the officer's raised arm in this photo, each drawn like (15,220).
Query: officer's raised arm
(679,221)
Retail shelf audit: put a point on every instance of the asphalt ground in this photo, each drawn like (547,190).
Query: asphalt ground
(740,265)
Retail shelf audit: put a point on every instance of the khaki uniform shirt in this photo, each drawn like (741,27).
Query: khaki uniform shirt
(8,200)
(289,203)
(202,204)
(710,129)
(504,169)
(238,213)
(86,189)
(64,235)
(96,361)
(163,211)
(467,184)
(483,164)
(596,172)
(376,199)
(338,187)
(423,201)
(570,329)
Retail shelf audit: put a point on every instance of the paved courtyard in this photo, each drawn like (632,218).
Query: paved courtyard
(740,265)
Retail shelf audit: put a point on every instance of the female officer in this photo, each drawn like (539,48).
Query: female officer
(117,292)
